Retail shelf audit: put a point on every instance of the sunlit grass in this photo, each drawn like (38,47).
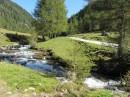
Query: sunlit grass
(4,31)
(111,37)
(4,41)
(76,54)
(21,78)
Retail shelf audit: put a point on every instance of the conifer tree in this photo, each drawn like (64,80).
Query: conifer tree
(73,26)
(50,17)
(123,27)
(14,17)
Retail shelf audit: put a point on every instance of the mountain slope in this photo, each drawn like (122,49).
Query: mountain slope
(13,17)
(97,15)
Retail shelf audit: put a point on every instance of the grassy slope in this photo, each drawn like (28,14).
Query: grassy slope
(79,55)
(13,32)
(18,77)
(14,17)
(61,46)
(4,40)
(112,37)
(21,78)
(68,50)
(78,90)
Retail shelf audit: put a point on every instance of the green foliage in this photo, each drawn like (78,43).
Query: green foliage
(127,80)
(122,20)
(73,90)
(106,16)
(111,37)
(71,52)
(97,15)
(73,26)
(100,93)
(13,17)
(127,45)
(18,77)
(11,37)
(78,90)
(33,39)
(4,39)
(50,17)
(94,52)
(79,56)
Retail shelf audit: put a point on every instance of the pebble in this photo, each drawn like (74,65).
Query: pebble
(39,84)
(34,94)
(9,93)
(31,88)
(25,90)
(44,95)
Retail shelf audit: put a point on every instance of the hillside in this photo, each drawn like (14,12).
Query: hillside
(98,15)
(6,40)
(13,17)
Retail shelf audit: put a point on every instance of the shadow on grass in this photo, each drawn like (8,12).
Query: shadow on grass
(112,68)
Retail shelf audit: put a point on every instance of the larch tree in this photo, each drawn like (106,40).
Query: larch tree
(73,25)
(50,17)
(122,15)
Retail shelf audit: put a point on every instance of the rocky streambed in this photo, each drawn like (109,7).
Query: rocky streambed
(33,59)
(95,82)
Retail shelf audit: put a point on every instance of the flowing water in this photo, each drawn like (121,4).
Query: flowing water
(23,55)
(97,83)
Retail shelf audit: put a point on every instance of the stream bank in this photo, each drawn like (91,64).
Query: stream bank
(40,60)
(34,59)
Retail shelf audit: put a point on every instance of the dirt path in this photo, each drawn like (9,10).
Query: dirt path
(94,42)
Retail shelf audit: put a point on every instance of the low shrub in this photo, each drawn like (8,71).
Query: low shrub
(73,90)
(127,81)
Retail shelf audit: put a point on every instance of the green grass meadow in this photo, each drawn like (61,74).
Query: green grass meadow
(21,78)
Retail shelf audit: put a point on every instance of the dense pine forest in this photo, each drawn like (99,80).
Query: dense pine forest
(98,15)
(13,17)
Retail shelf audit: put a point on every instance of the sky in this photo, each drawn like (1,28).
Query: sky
(73,6)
